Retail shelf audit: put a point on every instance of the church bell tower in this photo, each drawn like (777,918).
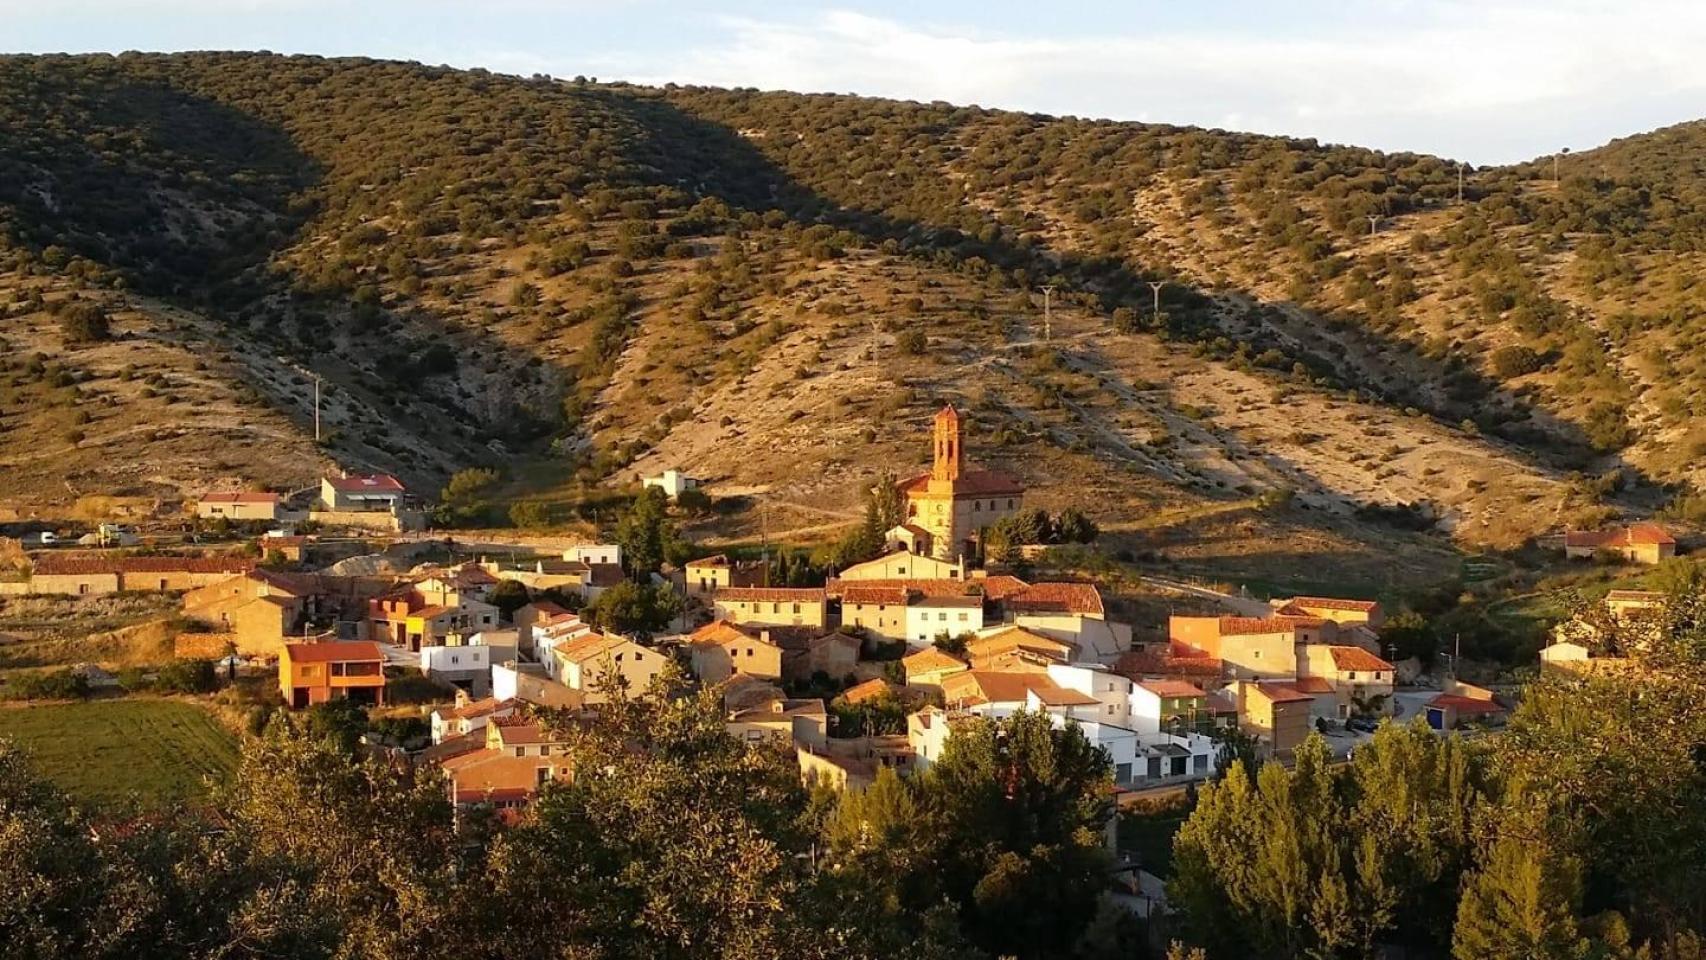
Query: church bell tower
(950,458)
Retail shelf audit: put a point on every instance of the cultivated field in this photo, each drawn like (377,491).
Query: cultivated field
(153,752)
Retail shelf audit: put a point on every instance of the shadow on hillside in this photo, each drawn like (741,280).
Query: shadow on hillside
(706,158)
(190,200)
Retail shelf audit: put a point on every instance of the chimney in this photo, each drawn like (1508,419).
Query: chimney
(461,698)
(764,635)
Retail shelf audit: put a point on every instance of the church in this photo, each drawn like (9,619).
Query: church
(947,508)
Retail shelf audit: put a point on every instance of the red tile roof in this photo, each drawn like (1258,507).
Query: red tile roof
(771,595)
(1079,598)
(1333,603)
(1248,626)
(1313,685)
(714,560)
(366,483)
(999,686)
(928,588)
(869,690)
(1466,704)
(1172,688)
(1138,664)
(75,566)
(1282,692)
(334,651)
(245,496)
(1633,535)
(930,660)
(971,483)
(1356,658)
(879,595)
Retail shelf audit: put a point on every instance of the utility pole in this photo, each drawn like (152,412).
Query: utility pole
(316,408)
(1048,312)
(1460,167)
(764,539)
(1556,182)
(1373,224)
(1155,288)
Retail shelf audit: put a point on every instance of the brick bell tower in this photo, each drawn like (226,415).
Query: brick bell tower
(950,456)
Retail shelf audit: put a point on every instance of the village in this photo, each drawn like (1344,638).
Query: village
(872,669)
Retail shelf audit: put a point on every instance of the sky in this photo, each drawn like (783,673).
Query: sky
(1487,81)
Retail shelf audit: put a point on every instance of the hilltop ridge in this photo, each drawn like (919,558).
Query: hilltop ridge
(580,281)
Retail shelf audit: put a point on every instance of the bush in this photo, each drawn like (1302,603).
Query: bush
(55,685)
(84,322)
(912,342)
(1515,361)
(188,676)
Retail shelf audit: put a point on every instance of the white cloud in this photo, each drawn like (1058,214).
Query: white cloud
(1492,82)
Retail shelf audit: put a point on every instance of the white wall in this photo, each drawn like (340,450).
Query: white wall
(1110,689)
(925,622)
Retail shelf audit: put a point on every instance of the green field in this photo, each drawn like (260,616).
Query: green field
(113,752)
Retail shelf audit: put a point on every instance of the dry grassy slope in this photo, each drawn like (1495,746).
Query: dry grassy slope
(1126,425)
(159,414)
(1215,254)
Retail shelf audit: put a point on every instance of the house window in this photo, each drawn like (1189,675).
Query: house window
(454,659)
(82,588)
(1009,503)
(942,617)
(1353,674)
(796,608)
(962,618)
(521,751)
(775,608)
(636,656)
(977,506)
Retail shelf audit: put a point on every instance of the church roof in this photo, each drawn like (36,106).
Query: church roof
(971,483)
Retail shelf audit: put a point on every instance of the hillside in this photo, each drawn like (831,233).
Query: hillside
(579,282)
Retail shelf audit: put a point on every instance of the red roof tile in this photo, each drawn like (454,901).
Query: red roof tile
(971,483)
(771,595)
(1466,704)
(1248,626)
(74,566)
(1078,598)
(334,651)
(1356,658)
(1171,688)
(1334,603)
(1313,685)
(1635,534)
(1282,692)
(366,483)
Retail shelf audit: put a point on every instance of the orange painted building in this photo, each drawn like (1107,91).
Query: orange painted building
(310,673)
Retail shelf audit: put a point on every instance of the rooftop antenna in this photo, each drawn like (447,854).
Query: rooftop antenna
(1155,288)
(1048,303)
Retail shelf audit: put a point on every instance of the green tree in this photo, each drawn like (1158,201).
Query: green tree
(530,514)
(1023,808)
(1521,903)
(509,596)
(464,501)
(647,534)
(634,609)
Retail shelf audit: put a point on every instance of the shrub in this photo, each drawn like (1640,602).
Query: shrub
(912,342)
(84,321)
(188,676)
(1515,361)
(54,685)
